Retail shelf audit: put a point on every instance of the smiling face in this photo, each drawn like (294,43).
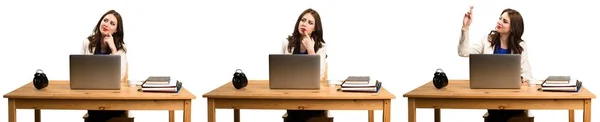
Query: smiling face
(503,24)
(108,24)
(307,24)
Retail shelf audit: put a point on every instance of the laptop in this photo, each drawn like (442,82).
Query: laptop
(95,72)
(495,71)
(294,71)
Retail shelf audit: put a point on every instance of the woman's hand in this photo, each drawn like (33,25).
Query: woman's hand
(111,43)
(524,83)
(467,19)
(309,44)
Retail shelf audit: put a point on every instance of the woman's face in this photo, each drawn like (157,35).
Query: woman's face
(108,25)
(307,24)
(503,24)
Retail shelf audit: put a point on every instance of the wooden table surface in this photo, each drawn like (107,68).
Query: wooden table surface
(461,89)
(258,95)
(58,95)
(458,95)
(259,89)
(59,89)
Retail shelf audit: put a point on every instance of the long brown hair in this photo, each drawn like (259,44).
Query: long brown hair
(514,36)
(317,35)
(117,36)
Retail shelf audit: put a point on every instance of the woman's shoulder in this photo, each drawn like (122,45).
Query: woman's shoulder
(84,46)
(523,45)
(285,42)
(124,45)
(86,42)
(486,38)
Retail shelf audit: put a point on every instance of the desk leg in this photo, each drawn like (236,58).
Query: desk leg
(236,115)
(171,115)
(412,110)
(587,111)
(371,116)
(387,107)
(571,115)
(12,111)
(37,114)
(187,111)
(436,112)
(211,110)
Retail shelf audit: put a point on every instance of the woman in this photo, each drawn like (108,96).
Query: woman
(307,39)
(107,39)
(505,39)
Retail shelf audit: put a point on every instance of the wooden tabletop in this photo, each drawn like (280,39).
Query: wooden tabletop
(259,89)
(60,90)
(461,89)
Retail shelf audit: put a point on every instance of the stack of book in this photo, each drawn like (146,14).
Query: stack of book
(360,84)
(161,84)
(561,83)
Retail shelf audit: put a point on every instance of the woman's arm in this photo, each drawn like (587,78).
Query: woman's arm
(323,53)
(464,46)
(84,47)
(124,63)
(284,45)
(525,67)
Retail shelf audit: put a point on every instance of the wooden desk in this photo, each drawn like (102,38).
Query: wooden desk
(458,95)
(257,95)
(58,95)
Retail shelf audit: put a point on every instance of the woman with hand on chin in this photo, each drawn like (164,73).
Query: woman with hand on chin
(307,39)
(505,39)
(107,39)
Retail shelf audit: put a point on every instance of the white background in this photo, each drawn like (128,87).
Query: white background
(203,42)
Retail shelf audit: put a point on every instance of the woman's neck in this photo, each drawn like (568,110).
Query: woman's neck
(504,41)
